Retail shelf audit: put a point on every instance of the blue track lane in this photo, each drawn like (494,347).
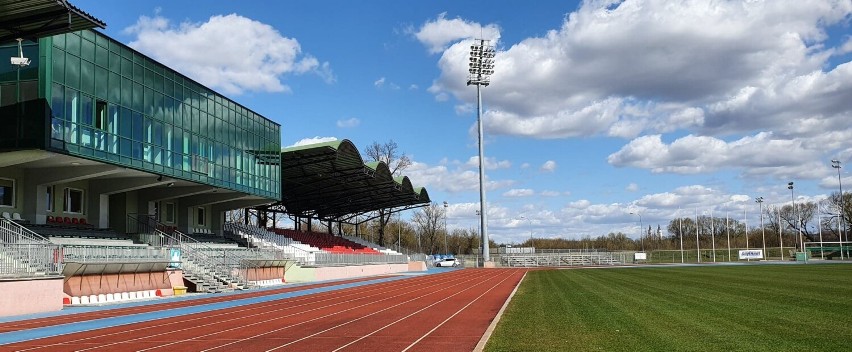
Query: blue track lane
(70,328)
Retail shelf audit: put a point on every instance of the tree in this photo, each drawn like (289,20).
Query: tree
(799,219)
(389,154)
(429,221)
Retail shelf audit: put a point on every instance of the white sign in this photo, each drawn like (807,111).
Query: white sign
(751,254)
(640,256)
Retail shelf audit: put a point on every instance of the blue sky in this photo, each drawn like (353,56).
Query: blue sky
(597,109)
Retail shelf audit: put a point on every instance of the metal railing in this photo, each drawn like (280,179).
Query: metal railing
(195,261)
(24,253)
(12,232)
(99,253)
(26,260)
(264,237)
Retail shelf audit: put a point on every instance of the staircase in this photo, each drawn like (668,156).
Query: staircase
(24,253)
(207,272)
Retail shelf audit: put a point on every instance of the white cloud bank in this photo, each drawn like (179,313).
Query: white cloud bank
(723,77)
(228,52)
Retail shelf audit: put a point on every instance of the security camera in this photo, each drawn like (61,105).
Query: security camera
(20,61)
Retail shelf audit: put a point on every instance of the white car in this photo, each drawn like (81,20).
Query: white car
(446,262)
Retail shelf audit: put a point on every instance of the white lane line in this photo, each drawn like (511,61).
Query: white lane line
(412,314)
(450,317)
(374,313)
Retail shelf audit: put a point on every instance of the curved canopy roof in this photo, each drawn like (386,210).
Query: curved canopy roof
(32,19)
(330,181)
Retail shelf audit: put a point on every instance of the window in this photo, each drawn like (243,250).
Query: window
(169,213)
(199,216)
(101,115)
(7,192)
(49,199)
(73,201)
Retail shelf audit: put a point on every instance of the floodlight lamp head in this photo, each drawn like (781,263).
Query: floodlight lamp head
(20,61)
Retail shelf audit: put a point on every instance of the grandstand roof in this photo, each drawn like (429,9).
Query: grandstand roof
(32,19)
(330,180)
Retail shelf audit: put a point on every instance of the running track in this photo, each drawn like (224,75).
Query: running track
(442,312)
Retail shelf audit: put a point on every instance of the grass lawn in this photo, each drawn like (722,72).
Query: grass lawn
(708,308)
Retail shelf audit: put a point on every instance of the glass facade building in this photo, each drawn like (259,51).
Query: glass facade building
(104,101)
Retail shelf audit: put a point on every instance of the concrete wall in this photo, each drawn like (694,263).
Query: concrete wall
(111,283)
(18,297)
(256,274)
(309,274)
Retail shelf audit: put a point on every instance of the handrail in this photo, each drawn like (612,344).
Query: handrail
(12,232)
(190,248)
(267,239)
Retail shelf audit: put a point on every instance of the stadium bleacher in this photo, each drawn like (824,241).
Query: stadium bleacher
(327,242)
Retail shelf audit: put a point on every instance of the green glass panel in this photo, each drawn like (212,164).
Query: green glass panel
(168,87)
(138,73)
(114,88)
(72,44)
(101,82)
(148,102)
(89,35)
(57,102)
(87,77)
(149,78)
(59,66)
(72,71)
(87,50)
(138,96)
(102,56)
(114,62)
(158,106)
(59,41)
(126,68)
(126,92)
(102,41)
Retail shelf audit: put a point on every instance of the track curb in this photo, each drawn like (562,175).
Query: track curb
(487,335)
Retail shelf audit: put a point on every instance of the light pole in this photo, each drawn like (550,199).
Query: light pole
(836,164)
(446,231)
(795,213)
(529,222)
(481,68)
(759,201)
(641,228)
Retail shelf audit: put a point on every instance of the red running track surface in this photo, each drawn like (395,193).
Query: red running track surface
(442,312)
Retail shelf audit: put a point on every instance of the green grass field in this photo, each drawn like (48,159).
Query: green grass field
(710,308)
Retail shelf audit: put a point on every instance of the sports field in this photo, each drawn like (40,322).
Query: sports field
(705,308)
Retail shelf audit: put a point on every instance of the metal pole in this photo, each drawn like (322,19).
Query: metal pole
(483,217)
(728,232)
(697,245)
(780,237)
(682,259)
(836,164)
(713,233)
(446,231)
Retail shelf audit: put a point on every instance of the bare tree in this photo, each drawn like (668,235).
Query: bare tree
(799,219)
(429,223)
(397,162)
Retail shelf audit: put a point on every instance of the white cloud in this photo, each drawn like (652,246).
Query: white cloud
(762,153)
(461,179)
(490,163)
(712,70)
(228,52)
(519,192)
(550,193)
(632,187)
(312,140)
(548,166)
(437,34)
(379,82)
(348,123)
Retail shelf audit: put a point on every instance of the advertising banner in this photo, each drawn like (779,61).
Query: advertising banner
(751,254)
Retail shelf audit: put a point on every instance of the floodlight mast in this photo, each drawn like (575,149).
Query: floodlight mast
(481,67)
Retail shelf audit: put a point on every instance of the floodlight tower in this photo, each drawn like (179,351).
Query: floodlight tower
(481,68)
